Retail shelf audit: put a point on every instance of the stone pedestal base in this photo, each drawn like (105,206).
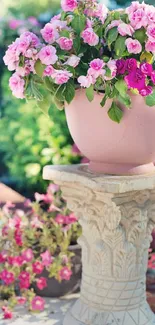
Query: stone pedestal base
(117,215)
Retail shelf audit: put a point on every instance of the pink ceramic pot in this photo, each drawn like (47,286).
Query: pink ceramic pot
(121,149)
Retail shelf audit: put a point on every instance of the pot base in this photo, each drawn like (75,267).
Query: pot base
(121,169)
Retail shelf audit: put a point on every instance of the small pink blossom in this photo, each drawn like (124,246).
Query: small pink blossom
(41,283)
(21,300)
(65,273)
(7,314)
(18,237)
(138,18)
(3,257)
(11,58)
(7,277)
(153,76)
(73,61)
(15,260)
(90,37)
(151,32)
(60,219)
(146,68)
(96,68)
(49,70)
(113,69)
(150,14)
(47,259)
(133,7)
(133,46)
(150,46)
(38,303)
(49,33)
(27,255)
(47,55)
(33,39)
(24,280)
(68,5)
(37,267)
(125,29)
(61,76)
(54,188)
(101,12)
(148,90)
(17,84)
(114,23)
(86,81)
(65,43)
(71,219)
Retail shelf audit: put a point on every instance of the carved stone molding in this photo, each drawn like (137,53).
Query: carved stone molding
(117,223)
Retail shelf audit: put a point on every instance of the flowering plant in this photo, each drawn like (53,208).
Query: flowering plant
(31,242)
(90,47)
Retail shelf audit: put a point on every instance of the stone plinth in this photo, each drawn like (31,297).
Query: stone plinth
(117,215)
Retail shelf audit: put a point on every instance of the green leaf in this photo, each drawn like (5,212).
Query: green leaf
(120,46)
(69,92)
(77,44)
(115,113)
(126,100)
(49,84)
(78,23)
(44,105)
(140,35)
(103,101)
(32,91)
(90,93)
(112,35)
(150,100)
(65,33)
(121,86)
(39,68)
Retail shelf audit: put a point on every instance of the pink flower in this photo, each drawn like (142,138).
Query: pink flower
(37,267)
(60,219)
(150,14)
(49,70)
(11,58)
(21,300)
(33,39)
(3,257)
(5,231)
(38,303)
(150,46)
(49,33)
(7,314)
(135,79)
(86,81)
(101,12)
(71,219)
(125,29)
(73,61)
(114,23)
(90,37)
(131,64)
(47,55)
(24,280)
(138,18)
(65,43)
(133,7)
(151,32)
(61,76)
(18,237)
(27,255)
(96,68)
(14,23)
(153,76)
(65,273)
(146,68)
(68,5)
(113,69)
(47,259)
(41,283)
(54,188)
(7,277)
(148,90)
(17,84)
(133,46)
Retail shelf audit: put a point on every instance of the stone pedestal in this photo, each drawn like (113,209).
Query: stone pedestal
(117,215)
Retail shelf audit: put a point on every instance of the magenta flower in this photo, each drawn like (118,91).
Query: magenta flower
(121,66)
(135,79)
(60,219)
(153,76)
(38,303)
(7,314)
(3,257)
(71,219)
(41,283)
(7,277)
(146,68)
(18,237)
(27,255)
(21,300)
(47,259)
(68,5)
(24,280)
(37,267)
(131,64)
(148,90)
(65,273)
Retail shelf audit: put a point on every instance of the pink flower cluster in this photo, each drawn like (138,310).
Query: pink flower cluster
(65,220)
(136,76)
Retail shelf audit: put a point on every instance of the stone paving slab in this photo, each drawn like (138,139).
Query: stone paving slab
(55,310)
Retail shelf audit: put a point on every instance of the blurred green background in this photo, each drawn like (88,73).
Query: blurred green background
(28,139)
